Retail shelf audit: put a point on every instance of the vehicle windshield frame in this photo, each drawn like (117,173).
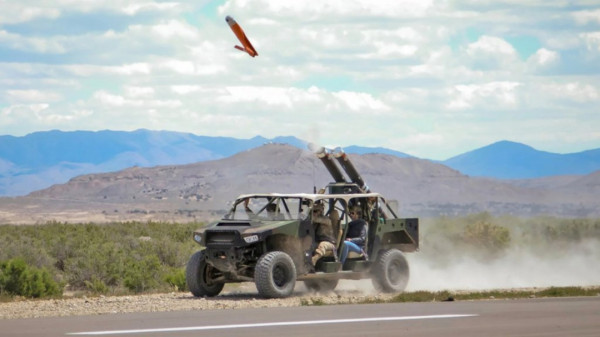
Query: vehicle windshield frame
(269,208)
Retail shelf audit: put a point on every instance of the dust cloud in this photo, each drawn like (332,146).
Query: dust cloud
(536,254)
(505,253)
(576,265)
(572,266)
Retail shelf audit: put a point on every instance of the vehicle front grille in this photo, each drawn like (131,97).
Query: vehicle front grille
(220,238)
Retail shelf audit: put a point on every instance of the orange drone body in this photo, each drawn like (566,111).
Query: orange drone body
(239,33)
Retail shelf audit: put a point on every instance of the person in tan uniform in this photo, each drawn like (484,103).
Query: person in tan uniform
(323,234)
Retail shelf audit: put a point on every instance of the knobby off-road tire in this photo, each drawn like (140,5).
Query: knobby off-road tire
(275,275)
(390,272)
(321,286)
(199,277)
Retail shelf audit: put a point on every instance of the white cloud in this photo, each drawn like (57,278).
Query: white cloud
(492,95)
(401,42)
(385,50)
(592,41)
(28,96)
(174,28)
(135,8)
(108,100)
(491,45)
(574,91)
(40,45)
(185,89)
(359,102)
(544,57)
(16,12)
(587,16)
(431,69)
(126,69)
(132,91)
(490,52)
(19,109)
(283,97)
(339,8)
(181,67)
(40,115)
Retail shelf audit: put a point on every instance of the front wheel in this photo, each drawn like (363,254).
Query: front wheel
(390,272)
(200,276)
(275,275)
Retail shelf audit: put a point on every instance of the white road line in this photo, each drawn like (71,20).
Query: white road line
(261,325)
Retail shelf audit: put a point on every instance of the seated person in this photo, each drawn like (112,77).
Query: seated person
(271,210)
(356,236)
(323,234)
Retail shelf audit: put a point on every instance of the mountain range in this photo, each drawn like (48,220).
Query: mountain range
(510,160)
(42,159)
(202,191)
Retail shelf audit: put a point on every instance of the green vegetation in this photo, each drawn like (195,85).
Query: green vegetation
(17,278)
(136,257)
(485,237)
(116,258)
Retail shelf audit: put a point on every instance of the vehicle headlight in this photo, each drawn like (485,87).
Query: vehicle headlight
(251,238)
(198,238)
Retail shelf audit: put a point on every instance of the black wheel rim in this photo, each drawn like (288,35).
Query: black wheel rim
(209,275)
(280,275)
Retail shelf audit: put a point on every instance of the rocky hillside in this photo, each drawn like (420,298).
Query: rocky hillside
(202,190)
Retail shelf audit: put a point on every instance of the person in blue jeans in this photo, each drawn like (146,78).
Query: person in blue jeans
(356,235)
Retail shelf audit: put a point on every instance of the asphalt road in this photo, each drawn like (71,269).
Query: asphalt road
(528,317)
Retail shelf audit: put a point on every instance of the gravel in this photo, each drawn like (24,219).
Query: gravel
(244,296)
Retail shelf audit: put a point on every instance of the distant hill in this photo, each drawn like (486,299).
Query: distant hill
(43,149)
(202,190)
(42,159)
(510,160)
(382,150)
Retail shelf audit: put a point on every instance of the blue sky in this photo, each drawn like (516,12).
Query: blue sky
(429,78)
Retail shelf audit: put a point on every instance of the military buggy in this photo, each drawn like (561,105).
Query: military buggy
(269,238)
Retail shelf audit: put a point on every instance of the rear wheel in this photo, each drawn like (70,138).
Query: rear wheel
(275,275)
(390,272)
(321,285)
(200,276)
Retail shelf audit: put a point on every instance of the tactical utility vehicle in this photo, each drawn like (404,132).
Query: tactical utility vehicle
(269,239)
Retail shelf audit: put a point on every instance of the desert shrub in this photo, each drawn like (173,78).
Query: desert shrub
(99,262)
(571,229)
(176,279)
(485,235)
(96,286)
(143,275)
(17,278)
(103,258)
